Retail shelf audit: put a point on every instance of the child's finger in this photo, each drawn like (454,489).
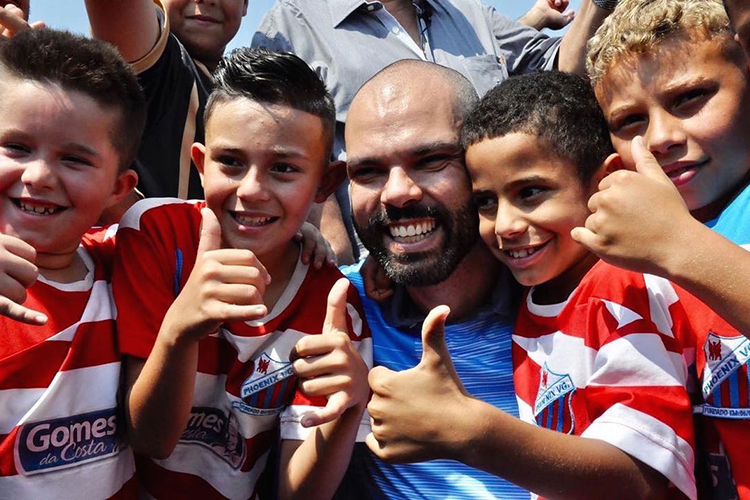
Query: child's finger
(324,385)
(645,162)
(374,445)
(333,410)
(335,320)
(587,238)
(308,247)
(20,313)
(210,237)
(319,345)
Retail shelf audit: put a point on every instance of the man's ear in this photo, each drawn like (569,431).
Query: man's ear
(244,8)
(198,154)
(333,176)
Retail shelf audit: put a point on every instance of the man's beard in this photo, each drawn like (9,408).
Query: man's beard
(460,230)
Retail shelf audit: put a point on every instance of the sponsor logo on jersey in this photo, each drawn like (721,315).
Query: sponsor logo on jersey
(725,384)
(68,442)
(217,431)
(552,408)
(268,389)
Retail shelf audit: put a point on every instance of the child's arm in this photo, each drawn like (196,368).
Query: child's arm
(640,222)
(17,273)
(130,25)
(425,413)
(327,365)
(225,285)
(550,14)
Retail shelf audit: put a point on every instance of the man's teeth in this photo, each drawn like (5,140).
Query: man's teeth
(524,252)
(36,209)
(412,229)
(252,221)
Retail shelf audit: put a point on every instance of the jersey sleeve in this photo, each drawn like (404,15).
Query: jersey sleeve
(635,396)
(359,334)
(146,278)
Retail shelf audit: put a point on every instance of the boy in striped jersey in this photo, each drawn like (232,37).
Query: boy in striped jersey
(71,114)
(220,318)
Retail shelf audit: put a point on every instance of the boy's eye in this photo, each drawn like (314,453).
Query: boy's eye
(285,168)
(531,192)
(15,147)
(691,97)
(626,122)
(75,160)
(229,161)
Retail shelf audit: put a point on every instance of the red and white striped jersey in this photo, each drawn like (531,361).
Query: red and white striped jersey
(61,428)
(608,364)
(245,388)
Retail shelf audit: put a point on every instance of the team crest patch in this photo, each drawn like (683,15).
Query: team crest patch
(552,408)
(217,431)
(68,442)
(268,389)
(725,384)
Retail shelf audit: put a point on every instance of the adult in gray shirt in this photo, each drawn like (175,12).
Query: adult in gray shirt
(348,41)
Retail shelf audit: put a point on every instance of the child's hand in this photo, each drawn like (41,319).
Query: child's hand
(553,14)
(329,365)
(636,216)
(225,285)
(377,284)
(17,273)
(315,247)
(410,411)
(12,21)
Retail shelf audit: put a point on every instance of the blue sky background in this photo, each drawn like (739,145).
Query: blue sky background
(71,14)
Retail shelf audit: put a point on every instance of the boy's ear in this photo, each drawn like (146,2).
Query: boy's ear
(333,176)
(244,8)
(611,164)
(198,154)
(124,185)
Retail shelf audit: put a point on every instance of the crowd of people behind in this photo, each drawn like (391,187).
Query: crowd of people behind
(547,289)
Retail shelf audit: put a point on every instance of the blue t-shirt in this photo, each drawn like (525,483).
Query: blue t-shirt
(734,221)
(481,352)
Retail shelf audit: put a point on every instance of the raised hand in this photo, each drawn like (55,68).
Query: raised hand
(329,364)
(551,14)
(12,21)
(412,412)
(636,216)
(17,273)
(226,284)
(377,284)
(315,248)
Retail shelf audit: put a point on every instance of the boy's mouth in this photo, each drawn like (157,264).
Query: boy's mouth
(204,19)
(37,208)
(253,221)
(682,172)
(523,253)
(411,232)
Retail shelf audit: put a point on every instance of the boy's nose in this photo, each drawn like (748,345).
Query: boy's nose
(252,187)
(400,189)
(664,135)
(38,174)
(508,222)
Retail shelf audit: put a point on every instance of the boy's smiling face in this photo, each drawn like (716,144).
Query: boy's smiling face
(528,201)
(263,166)
(690,101)
(205,28)
(58,166)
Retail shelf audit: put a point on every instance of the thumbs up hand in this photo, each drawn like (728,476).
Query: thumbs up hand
(636,217)
(412,412)
(329,364)
(17,273)
(225,285)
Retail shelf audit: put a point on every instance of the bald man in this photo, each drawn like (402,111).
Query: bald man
(412,208)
